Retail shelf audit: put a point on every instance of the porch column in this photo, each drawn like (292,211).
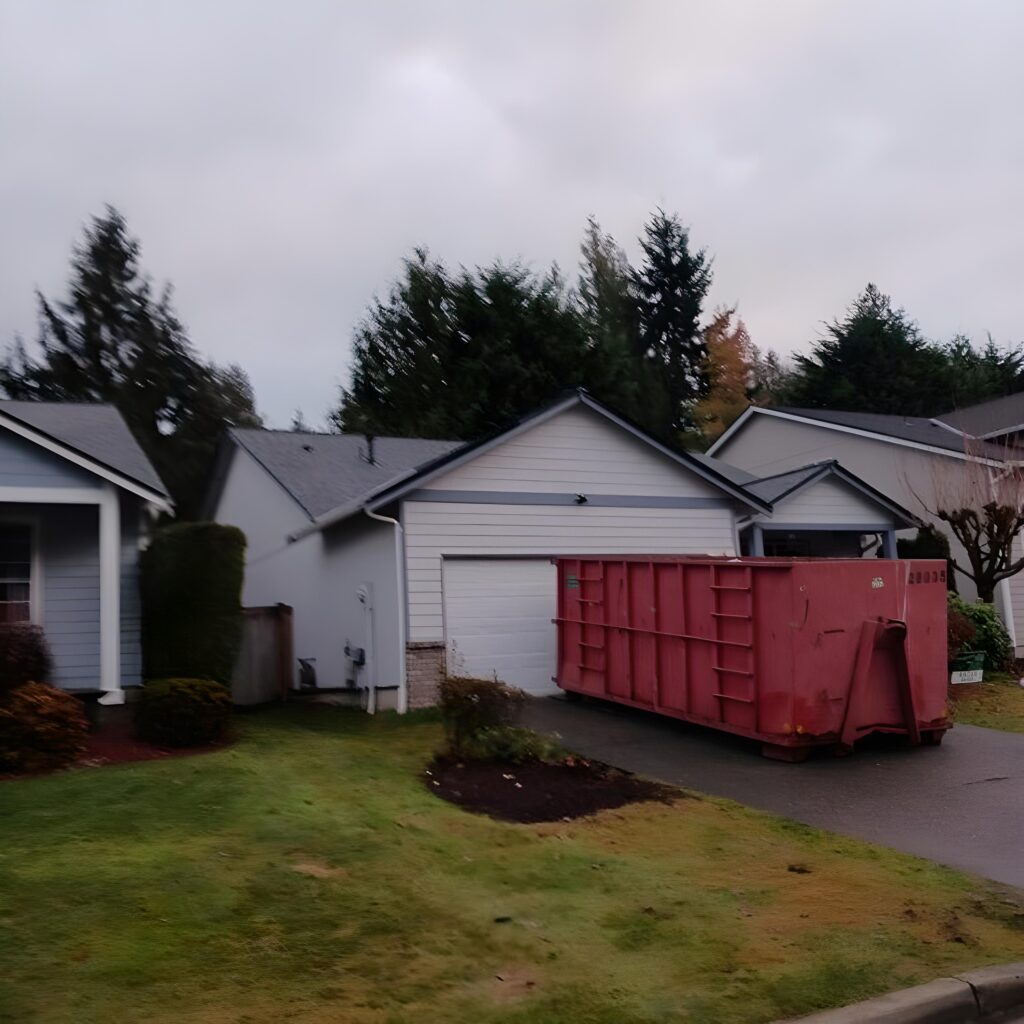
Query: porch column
(757,540)
(889,544)
(110,596)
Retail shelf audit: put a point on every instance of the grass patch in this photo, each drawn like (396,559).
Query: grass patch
(306,875)
(998,703)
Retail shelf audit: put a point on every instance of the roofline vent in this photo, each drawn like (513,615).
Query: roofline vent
(369,453)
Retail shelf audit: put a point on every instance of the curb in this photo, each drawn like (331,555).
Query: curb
(982,995)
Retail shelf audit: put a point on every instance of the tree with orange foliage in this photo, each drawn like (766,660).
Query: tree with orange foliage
(729,368)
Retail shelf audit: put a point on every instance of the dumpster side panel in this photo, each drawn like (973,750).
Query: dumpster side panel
(927,609)
(794,652)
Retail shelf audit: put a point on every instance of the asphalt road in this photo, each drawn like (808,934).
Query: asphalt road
(961,804)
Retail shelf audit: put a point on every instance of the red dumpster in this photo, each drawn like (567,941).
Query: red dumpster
(792,652)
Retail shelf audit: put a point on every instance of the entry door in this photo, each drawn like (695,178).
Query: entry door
(497,615)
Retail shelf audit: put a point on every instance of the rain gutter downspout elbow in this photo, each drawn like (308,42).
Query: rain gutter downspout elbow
(403,691)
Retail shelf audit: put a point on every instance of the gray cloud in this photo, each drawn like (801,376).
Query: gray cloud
(277,161)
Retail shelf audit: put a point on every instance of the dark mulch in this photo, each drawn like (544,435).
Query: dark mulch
(115,742)
(538,791)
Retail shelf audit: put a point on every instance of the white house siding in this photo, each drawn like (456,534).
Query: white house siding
(828,502)
(317,576)
(575,451)
(770,444)
(24,464)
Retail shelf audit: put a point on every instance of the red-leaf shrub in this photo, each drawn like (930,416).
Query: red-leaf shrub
(24,655)
(960,631)
(41,728)
(183,712)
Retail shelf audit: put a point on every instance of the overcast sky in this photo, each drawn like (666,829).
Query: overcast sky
(278,160)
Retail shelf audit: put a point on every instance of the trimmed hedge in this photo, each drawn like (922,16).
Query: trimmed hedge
(183,712)
(24,655)
(191,583)
(41,728)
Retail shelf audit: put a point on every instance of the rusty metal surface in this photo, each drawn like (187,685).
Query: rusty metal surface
(794,652)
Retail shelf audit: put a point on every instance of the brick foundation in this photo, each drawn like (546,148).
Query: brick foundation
(424,667)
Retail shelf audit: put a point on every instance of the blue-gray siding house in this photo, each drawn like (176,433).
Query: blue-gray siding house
(76,492)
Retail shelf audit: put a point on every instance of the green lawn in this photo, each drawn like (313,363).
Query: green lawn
(305,875)
(998,703)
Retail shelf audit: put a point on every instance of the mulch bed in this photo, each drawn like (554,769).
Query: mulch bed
(114,742)
(537,791)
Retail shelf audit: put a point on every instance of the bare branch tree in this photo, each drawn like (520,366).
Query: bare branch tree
(982,501)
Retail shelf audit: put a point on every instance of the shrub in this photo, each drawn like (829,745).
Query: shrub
(959,632)
(990,634)
(183,712)
(470,706)
(191,582)
(24,655)
(508,743)
(41,728)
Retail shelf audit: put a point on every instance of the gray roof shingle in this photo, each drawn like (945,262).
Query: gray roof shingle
(731,473)
(998,414)
(324,471)
(772,488)
(918,429)
(94,430)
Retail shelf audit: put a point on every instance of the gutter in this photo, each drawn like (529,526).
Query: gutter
(363,504)
(403,688)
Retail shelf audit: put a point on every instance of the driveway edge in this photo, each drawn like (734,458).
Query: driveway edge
(972,996)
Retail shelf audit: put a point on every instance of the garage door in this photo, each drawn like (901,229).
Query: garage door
(497,615)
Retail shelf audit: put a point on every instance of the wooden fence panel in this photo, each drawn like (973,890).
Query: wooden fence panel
(264,669)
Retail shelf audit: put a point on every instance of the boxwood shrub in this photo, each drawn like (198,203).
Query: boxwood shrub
(183,712)
(191,582)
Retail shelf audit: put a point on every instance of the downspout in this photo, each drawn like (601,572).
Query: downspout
(403,692)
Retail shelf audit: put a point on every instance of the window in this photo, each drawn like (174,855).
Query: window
(15,573)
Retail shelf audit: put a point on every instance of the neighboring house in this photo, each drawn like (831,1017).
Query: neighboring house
(903,457)
(75,493)
(402,556)
(818,511)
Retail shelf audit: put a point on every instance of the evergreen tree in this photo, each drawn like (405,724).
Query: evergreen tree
(112,340)
(461,356)
(873,360)
(671,286)
(976,375)
(607,303)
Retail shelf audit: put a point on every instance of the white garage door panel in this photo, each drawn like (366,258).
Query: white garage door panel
(497,616)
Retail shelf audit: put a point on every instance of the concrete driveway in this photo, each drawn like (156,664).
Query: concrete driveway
(961,804)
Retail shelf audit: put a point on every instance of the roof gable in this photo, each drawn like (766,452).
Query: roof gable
(777,488)
(395,489)
(322,471)
(91,436)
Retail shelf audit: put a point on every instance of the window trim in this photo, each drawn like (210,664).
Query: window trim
(35,583)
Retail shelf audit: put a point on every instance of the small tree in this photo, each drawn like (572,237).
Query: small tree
(729,369)
(983,504)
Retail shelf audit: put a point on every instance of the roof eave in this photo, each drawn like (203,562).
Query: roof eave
(161,501)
